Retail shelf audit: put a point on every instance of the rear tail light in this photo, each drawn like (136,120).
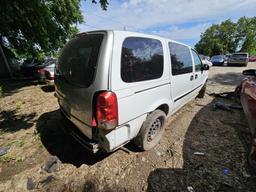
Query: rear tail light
(51,77)
(106,111)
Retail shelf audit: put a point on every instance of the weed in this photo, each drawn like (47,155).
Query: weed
(20,143)
(37,136)
(19,159)
(7,158)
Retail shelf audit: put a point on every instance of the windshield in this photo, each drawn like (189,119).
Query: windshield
(240,55)
(78,59)
(217,57)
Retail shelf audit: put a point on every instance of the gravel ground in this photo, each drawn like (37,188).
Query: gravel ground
(31,125)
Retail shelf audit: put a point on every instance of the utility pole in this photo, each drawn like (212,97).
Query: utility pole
(5,61)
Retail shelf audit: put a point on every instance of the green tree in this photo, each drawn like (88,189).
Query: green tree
(39,27)
(246,28)
(218,39)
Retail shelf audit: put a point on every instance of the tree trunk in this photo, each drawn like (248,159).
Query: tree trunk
(5,61)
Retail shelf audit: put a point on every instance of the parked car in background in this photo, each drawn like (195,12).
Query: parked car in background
(29,67)
(218,60)
(248,100)
(40,73)
(206,60)
(116,86)
(238,59)
(252,58)
(49,74)
(15,64)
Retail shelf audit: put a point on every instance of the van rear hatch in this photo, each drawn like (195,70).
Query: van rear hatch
(74,75)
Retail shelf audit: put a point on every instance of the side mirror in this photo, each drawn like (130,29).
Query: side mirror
(205,67)
(250,72)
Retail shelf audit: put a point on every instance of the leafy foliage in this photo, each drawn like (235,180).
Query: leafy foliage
(39,27)
(229,37)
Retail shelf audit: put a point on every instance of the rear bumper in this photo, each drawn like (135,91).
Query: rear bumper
(106,141)
(237,62)
(87,143)
(49,82)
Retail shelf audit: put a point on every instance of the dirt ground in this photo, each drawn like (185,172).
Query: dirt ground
(30,124)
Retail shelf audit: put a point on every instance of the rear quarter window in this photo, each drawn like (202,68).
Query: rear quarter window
(141,60)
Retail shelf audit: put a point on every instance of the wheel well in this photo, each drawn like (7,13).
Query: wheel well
(164,108)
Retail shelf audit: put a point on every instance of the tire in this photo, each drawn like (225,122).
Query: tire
(151,131)
(201,93)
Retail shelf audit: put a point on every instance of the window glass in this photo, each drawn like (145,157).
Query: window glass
(142,59)
(180,58)
(78,59)
(197,61)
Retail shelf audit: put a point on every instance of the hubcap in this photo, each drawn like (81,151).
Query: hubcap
(154,129)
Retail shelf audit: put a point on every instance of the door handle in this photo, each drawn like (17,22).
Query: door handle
(196,76)
(191,77)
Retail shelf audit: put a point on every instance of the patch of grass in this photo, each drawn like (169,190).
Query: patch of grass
(20,143)
(7,158)
(19,159)
(37,136)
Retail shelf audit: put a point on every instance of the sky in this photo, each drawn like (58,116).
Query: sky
(180,20)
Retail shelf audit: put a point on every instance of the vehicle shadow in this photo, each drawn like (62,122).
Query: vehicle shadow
(10,121)
(230,78)
(222,140)
(48,88)
(12,86)
(59,143)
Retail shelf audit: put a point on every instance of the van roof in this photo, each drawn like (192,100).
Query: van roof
(131,33)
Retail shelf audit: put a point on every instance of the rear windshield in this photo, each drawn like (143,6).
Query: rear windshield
(217,57)
(78,59)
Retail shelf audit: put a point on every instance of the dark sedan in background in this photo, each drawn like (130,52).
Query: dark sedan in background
(218,60)
(35,69)
(29,67)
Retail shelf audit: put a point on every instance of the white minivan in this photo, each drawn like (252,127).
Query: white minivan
(118,86)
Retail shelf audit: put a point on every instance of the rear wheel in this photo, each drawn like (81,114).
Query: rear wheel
(151,130)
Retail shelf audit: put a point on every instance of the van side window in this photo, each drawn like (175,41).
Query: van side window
(142,59)
(180,58)
(197,61)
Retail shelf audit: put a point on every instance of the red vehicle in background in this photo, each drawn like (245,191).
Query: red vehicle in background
(252,59)
(248,100)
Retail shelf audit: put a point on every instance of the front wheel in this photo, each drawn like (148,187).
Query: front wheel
(151,130)
(201,93)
